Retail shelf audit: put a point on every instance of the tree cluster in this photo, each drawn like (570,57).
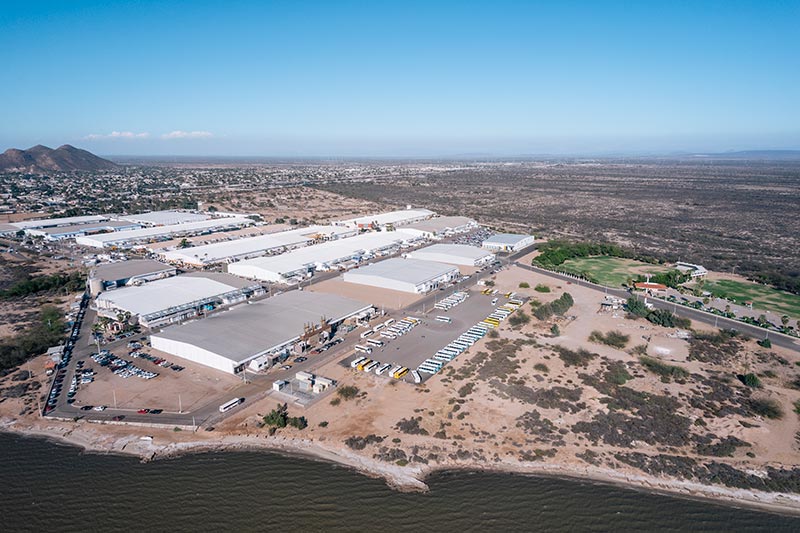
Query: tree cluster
(47,332)
(279,417)
(556,307)
(72,282)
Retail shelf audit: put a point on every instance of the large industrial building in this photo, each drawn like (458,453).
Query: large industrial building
(57,233)
(440,227)
(456,254)
(507,242)
(268,329)
(109,276)
(127,239)
(303,262)
(250,247)
(406,275)
(64,221)
(383,220)
(174,299)
(165,218)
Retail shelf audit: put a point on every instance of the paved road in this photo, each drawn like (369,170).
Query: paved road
(777,339)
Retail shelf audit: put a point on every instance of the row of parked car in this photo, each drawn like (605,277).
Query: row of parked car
(121,367)
(66,356)
(160,361)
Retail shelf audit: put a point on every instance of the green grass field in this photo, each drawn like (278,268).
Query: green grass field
(762,296)
(611,271)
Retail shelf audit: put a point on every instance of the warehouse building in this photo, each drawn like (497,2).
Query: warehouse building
(440,227)
(391,219)
(64,221)
(455,254)
(269,329)
(131,238)
(250,247)
(57,233)
(406,275)
(170,300)
(165,218)
(296,265)
(109,276)
(507,242)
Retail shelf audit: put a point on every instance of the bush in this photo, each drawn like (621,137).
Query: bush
(766,343)
(541,367)
(323,424)
(47,332)
(751,380)
(541,287)
(662,369)
(612,338)
(766,407)
(554,330)
(348,392)
(524,285)
(279,418)
(519,318)
(556,307)
(580,357)
(493,334)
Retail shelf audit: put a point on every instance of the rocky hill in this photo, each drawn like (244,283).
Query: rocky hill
(41,159)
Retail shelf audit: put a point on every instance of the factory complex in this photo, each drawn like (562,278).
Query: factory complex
(405,275)
(132,238)
(508,242)
(173,299)
(251,247)
(456,254)
(109,276)
(296,265)
(264,332)
(392,219)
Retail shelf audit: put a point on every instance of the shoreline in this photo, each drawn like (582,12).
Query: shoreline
(410,478)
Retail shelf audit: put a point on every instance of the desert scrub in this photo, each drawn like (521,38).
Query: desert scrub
(667,372)
(614,339)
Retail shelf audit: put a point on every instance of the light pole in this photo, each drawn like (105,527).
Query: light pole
(180,405)
(114,392)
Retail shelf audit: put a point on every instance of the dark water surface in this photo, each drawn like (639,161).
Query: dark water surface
(50,487)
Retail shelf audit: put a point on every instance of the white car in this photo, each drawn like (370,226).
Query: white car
(100,408)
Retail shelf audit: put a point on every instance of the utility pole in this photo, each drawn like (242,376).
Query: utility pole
(180,405)
(114,392)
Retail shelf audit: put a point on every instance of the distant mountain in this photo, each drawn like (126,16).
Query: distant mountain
(771,155)
(41,159)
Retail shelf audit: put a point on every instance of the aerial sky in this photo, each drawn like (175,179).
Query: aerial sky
(405,78)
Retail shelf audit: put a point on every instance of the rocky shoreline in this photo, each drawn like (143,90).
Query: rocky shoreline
(409,478)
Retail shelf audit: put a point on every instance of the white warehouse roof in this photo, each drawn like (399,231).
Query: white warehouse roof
(244,333)
(165,218)
(442,224)
(163,294)
(318,255)
(457,254)
(250,246)
(65,221)
(120,237)
(509,239)
(408,271)
(403,216)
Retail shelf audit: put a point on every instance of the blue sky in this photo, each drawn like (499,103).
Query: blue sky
(295,78)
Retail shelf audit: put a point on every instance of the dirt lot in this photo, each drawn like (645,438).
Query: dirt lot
(195,384)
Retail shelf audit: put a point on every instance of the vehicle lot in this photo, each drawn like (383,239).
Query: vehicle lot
(423,341)
(195,385)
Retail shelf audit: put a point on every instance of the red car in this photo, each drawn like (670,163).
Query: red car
(143,411)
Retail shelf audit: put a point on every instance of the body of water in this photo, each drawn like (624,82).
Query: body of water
(51,487)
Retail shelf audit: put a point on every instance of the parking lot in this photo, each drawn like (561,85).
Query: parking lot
(430,335)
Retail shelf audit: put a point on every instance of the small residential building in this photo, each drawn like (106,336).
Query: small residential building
(656,289)
(508,242)
(406,275)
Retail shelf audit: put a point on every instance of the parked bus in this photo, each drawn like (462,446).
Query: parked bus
(400,373)
(367,334)
(444,319)
(357,362)
(363,349)
(363,364)
(227,406)
(375,342)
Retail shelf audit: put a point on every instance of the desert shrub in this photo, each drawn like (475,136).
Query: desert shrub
(766,407)
(493,334)
(662,369)
(766,343)
(541,367)
(555,331)
(541,287)
(524,285)
(617,374)
(578,357)
(519,318)
(558,306)
(612,338)
(348,392)
(323,424)
(750,379)
(336,401)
